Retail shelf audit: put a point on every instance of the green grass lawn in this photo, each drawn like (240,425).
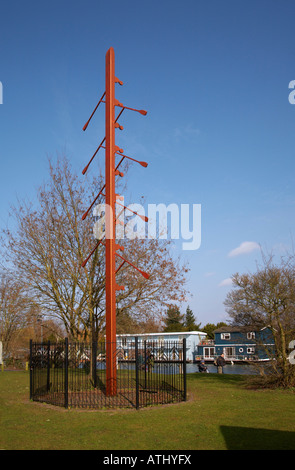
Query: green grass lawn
(220,413)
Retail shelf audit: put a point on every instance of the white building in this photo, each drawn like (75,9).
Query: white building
(193,339)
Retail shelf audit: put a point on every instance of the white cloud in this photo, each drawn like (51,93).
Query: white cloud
(226,282)
(244,248)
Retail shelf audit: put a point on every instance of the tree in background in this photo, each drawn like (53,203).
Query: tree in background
(209,328)
(173,320)
(47,248)
(190,321)
(266,298)
(50,242)
(14,310)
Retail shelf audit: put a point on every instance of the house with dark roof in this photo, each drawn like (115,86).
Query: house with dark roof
(239,344)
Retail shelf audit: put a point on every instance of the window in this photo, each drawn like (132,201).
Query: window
(250,350)
(229,352)
(225,335)
(209,352)
(251,335)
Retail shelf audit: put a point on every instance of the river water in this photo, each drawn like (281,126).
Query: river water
(246,369)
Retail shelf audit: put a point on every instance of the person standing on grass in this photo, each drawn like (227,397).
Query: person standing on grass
(220,363)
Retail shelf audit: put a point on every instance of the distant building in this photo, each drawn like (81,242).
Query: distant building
(239,344)
(236,343)
(193,339)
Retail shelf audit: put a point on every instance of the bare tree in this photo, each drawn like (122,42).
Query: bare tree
(14,308)
(267,299)
(143,298)
(48,247)
(50,243)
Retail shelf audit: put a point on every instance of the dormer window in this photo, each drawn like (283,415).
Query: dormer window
(225,335)
(251,335)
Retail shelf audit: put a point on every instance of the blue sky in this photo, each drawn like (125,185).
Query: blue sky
(219,131)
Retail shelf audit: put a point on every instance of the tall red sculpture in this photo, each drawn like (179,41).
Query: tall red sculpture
(111,247)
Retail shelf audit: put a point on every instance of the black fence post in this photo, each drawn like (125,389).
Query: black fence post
(48,366)
(184,367)
(31,369)
(94,354)
(136,373)
(145,364)
(66,384)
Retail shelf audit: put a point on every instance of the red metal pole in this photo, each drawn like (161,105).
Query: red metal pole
(110,214)
(111,372)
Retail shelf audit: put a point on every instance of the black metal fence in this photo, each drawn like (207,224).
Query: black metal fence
(74,374)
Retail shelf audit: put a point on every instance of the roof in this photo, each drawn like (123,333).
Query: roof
(238,329)
(161,333)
